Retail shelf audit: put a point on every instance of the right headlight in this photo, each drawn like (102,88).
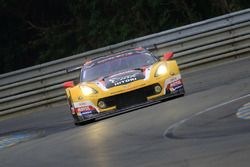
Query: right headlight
(161,70)
(86,91)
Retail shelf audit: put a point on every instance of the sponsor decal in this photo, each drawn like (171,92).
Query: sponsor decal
(84,113)
(172,89)
(121,73)
(84,110)
(84,106)
(172,79)
(124,78)
(81,104)
(174,83)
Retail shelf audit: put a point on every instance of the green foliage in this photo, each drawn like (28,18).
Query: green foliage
(34,32)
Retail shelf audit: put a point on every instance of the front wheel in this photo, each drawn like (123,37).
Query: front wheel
(84,122)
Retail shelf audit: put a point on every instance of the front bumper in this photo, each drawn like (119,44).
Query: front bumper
(130,98)
(101,115)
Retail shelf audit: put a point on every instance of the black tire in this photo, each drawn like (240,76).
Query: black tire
(77,123)
(84,122)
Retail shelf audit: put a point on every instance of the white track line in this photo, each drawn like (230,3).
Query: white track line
(177,124)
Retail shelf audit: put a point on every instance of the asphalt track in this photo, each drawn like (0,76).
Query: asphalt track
(200,129)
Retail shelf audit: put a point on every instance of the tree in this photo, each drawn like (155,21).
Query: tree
(34,32)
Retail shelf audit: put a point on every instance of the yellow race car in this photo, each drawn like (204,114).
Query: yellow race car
(122,81)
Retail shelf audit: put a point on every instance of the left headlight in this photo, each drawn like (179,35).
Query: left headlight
(162,69)
(86,91)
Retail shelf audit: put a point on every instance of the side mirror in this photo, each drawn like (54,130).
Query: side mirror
(68,84)
(168,55)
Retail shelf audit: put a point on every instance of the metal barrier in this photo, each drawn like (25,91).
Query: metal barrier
(212,40)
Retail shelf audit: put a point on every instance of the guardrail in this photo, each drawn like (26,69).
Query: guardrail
(212,40)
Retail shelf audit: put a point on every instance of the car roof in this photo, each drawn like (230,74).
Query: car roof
(105,58)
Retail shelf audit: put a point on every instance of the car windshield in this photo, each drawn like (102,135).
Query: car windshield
(115,64)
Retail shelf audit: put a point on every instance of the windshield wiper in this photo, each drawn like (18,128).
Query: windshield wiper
(137,68)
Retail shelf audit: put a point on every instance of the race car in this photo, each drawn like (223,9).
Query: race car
(121,80)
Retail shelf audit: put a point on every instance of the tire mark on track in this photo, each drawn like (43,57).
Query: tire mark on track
(169,132)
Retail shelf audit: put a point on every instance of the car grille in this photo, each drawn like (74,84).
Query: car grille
(130,98)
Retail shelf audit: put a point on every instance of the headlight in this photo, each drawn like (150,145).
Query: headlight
(86,91)
(162,69)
